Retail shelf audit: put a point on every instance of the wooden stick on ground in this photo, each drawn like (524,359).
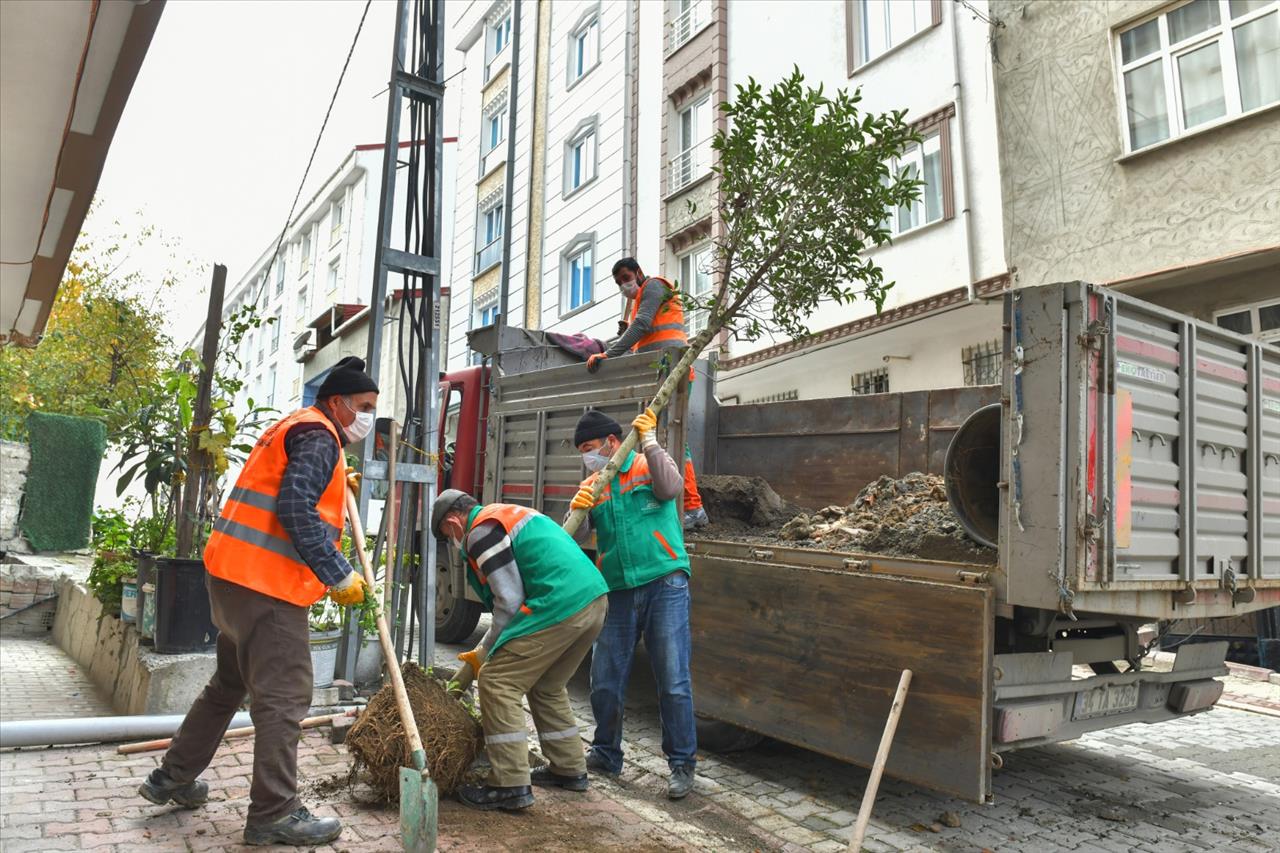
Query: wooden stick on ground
(247,731)
(882,757)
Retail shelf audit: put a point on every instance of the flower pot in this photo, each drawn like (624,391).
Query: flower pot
(324,656)
(129,599)
(146,563)
(183,621)
(369,660)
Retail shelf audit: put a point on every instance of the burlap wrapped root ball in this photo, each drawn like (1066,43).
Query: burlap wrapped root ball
(451,736)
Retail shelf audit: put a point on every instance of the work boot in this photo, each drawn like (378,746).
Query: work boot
(695,518)
(488,797)
(597,763)
(680,783)
(543,777)
(160,789)
(301,829)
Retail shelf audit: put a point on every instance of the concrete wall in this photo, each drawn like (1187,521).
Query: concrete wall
(15,460)
(1074,207)
(20,588)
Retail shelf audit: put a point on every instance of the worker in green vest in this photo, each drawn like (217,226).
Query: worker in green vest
(640,552)
(548,605)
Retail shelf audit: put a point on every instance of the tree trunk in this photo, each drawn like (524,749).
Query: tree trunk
(660,400)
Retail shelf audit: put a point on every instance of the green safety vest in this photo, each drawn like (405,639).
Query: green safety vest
(558,578)
(638,537)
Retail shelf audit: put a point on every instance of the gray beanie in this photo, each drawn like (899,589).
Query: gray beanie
(444,505)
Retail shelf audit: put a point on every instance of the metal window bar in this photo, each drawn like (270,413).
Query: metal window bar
(689,165)
(982,363)
(688,23)
(489,255)
(871,382)
(780,397)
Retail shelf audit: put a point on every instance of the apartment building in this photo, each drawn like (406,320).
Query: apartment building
(1140,148)
(623,97)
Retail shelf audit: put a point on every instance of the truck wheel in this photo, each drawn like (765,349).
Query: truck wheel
(717,736)
(456,618)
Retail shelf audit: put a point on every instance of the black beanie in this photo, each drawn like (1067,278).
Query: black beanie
(347,377)
(594,424)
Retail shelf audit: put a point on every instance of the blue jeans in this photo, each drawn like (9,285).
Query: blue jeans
(658,613)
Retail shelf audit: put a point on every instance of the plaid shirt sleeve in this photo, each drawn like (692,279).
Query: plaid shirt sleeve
(312,457)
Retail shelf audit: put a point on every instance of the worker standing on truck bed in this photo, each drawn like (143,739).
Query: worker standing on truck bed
(548,604)
(640,547)
(656,323)
(272,554)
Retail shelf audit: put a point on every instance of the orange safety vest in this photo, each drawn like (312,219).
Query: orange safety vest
(249,546)
(668,325)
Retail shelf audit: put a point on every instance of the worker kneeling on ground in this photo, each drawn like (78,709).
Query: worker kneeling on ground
(640,547)
(548,604)
(272,554)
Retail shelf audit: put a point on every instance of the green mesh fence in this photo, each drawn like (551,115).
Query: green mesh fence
(65,455)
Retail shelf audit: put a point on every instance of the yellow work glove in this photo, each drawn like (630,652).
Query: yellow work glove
(583,499)
(645,423)
(349,592)
(353,481)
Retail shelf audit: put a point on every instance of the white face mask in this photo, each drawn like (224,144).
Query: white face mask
(630,289)
(361,426)
(595,460)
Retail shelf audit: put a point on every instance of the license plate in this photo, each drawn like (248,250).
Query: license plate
(1104,701)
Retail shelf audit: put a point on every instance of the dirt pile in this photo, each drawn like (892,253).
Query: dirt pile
(451,736)
(909,517)
(738,504)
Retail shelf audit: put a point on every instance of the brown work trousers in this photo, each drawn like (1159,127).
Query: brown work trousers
(539,666)
(264,651)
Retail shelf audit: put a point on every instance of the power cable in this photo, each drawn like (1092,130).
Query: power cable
(266,273)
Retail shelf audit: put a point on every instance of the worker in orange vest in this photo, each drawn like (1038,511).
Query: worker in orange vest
(274,552)
(656,323)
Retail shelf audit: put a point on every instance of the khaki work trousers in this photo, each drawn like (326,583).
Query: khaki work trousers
(264,652)
(539,666)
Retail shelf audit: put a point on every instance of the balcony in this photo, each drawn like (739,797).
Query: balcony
(686,26)
(689,165)
(489,255)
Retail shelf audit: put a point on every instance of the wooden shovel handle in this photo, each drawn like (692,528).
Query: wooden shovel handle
(388,650)
(882,757)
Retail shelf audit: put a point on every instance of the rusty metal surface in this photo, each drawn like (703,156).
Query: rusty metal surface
(812,657)
(821,452)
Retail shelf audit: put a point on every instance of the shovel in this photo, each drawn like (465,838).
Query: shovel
(419,800)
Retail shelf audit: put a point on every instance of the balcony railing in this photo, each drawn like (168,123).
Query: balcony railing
(489,255)
(689,165)
(688,23)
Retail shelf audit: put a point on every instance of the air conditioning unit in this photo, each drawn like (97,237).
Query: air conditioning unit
(304,345)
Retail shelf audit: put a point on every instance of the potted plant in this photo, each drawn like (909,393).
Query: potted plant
(112,562)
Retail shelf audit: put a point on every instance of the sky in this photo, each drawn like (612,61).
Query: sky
(218,128)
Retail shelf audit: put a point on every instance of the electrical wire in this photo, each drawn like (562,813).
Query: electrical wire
(266,273)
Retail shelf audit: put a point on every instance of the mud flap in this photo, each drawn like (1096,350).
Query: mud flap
(812,657)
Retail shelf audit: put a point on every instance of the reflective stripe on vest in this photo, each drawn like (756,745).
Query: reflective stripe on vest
(668,324)
(249,546)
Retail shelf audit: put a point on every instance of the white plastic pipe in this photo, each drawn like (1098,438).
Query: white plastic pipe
(95,729)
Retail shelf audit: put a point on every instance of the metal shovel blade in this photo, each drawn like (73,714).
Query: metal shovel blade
(419,804)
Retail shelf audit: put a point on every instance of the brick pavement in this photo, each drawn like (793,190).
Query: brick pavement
(40,681)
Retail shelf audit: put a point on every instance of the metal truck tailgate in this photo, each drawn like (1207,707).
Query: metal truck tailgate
(812,657)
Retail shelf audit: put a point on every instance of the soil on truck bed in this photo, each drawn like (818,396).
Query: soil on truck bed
(907,517)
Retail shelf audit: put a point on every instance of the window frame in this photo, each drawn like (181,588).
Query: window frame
(938,122)
(1168,53)
(492,29)
(588,128)
(676,168)
(333,277)
(586,22)
(1258,333)
(484,305)
(870,378)
(977,361)
(304,248)
(482,220)
(336,212)
(577,246)
(695,320)
(854,60)
(698,21)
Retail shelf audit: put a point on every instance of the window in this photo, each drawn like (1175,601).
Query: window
(332,279)
(335,222)
(497,37)
(695,279)
(1197,64)
(271,386)
(878,26)
(302,306)
(579,284)
(922,162)
(584,46)
(262,344)
(871,382)
(279,275)
(275,332)
(691,16)
(1261,320)
(485,315)
(489,238)
(306,252)
(495,130)
(982,363)
(580,156)
(693,141)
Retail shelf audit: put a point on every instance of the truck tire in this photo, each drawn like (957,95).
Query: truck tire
(717,736)
(456,618)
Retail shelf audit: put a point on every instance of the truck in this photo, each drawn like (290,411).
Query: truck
(1126,469)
